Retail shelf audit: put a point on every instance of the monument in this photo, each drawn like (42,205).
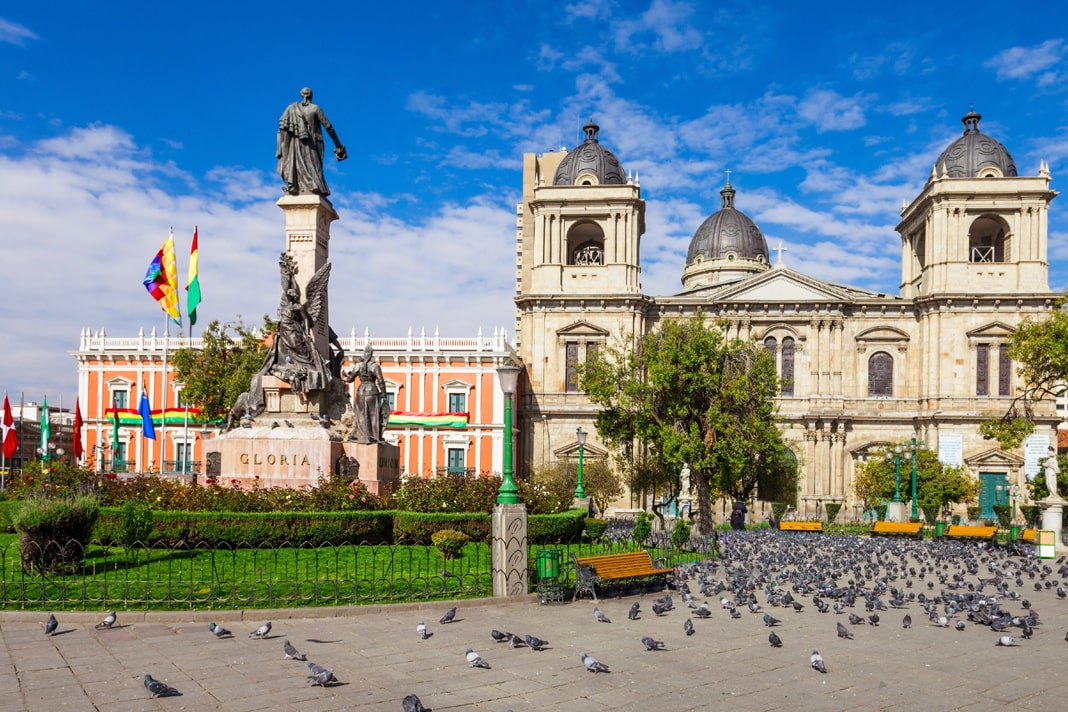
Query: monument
(288,429)
(1053,504)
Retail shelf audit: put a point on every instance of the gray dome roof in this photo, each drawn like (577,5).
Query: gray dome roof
(590,158)
(971,153)
(728,234)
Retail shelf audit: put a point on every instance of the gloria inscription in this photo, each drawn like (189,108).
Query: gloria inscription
(272,459)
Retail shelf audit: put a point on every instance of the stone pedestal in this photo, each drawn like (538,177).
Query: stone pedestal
(270,455)
(1053,516)
(897,512)
(308,219)
(377,466)
(509,549)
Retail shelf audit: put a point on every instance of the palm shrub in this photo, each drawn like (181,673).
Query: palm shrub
(680,534)
(53,533)
(832,510)
(643,527)
(1004,515)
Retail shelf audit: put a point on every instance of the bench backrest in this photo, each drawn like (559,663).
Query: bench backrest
(966,530)
(635,558)
(897,527)
(801,526)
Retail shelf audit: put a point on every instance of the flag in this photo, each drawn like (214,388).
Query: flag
(161,280)
(147,428)
(46,429)
(77,430)
(10,438)
(192,297)
(114,430)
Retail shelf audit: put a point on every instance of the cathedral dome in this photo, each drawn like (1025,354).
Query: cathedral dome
(975,155)
(728,234)
(590,163)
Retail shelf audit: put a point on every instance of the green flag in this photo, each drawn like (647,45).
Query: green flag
(46,429)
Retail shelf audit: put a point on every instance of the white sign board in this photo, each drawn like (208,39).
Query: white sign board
(951,449)
(1035,448)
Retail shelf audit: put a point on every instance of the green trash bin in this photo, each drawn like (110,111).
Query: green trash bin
(1014,533)
(548,564)
(940,529)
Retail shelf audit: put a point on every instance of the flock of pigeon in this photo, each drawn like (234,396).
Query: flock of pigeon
(858,582)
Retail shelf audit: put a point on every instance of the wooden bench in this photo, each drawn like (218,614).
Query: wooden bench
(1027,535)
(897,528)
(962,531)
(800,526)
(592,570)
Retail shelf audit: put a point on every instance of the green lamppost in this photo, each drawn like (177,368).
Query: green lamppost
(580,492)
(914,444)
(508,375)
(894,456)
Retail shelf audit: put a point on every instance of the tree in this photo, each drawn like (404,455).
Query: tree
(685,394)
(937,485)
(1040,351)
(216,374)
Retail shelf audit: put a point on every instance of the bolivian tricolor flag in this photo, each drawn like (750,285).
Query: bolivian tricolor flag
(172,416)
(428,420)
(161,280)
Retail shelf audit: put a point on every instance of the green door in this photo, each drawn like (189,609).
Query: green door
(993,489)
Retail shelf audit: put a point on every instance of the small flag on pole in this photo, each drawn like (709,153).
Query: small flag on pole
(77,429)
(46,429)
(192,297)
(10,437)
(114,432)
(145,410)
(161,280)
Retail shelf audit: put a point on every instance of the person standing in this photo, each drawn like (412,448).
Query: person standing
(301,147)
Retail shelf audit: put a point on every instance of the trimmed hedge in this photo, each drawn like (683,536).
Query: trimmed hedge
(556,528)
(177,529)
(419,527)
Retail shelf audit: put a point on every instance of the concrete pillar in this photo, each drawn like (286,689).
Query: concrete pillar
(509,550)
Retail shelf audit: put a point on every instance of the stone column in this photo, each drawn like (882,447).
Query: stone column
(1053,517)
(509,549)
(308,219)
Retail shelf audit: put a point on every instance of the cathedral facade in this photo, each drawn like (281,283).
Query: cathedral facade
(861,370)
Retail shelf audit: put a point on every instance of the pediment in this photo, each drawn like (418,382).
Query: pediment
(570,451)
(993,330)
(583,329)
(993,457)
(783,285)
(457,384)
(882,334)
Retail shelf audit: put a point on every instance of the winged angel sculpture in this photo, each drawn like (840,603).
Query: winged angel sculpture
(293,356)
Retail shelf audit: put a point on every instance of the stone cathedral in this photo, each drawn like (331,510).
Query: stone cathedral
(861,370)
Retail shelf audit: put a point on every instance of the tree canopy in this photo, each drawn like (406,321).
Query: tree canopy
(685,394)
(937,484)
(215,375)
(1040,351)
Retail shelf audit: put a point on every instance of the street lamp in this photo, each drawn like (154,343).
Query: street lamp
(894,456)
(580,492)
(1014,492)
(46,458)
(913,444)
(508,375)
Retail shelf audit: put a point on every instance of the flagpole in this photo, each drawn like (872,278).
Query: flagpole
(22,428)
(163,413)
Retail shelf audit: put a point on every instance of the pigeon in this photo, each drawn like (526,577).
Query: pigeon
(633,615)
(412,704)
(261,632)
(735,613)
(159,689)
(873,619)
(658,609)
(499,636)
(906,622)
(475,660)
(593,664)
(769,621)
(959,625)
(843,632)
(855,620)
(107,622)
(776,641)
(600,617)
(421,630)
(218,631)
(817,662)
(651,644)
(318,675)
(1006,641)
(288,424)
(51,625)
(449,615)
(703,611)
(515,641)
(292,653)
(536,643)
(275,425)
(688,627)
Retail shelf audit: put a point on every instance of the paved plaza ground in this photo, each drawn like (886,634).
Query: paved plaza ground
(378,658)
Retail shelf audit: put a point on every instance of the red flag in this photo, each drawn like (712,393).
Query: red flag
(10,438)
(78,450)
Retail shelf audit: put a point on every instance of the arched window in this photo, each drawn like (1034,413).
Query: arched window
(585,244)
(881,374)
(988,241)
(787,371)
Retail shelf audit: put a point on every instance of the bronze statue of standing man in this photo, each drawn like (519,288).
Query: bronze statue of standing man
(301,147)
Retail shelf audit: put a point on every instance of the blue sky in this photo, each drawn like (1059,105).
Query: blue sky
(118,122)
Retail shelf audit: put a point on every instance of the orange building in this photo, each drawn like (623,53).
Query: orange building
(447,406)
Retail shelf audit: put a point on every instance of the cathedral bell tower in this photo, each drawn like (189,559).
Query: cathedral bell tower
(977,227)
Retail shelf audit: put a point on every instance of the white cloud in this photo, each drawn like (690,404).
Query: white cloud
(14,33)
(665,27)
(830,111)
(1029,62)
